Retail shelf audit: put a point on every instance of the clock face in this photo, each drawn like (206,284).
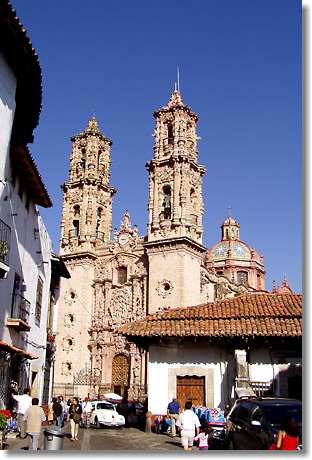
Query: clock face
(123,239)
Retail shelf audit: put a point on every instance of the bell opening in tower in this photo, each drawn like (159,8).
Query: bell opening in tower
(170,134)
(167,202)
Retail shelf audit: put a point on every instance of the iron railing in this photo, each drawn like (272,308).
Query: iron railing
(20,308)
(262,388)
(5,236)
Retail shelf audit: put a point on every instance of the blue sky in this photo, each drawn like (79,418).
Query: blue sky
(240,71)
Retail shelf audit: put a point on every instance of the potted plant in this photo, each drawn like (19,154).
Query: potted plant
(4,249)
(4,416)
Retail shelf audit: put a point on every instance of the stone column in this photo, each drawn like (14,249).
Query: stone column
(156,204)
(176,193)
(242,386)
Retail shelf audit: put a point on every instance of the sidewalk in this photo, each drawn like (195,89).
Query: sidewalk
(17,444)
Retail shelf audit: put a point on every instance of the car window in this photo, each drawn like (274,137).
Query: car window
(275,414)
(105,406)
(257,414)
(241,411)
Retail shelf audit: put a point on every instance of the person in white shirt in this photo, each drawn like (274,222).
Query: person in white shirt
(86,412)
(189,423)
(23,403)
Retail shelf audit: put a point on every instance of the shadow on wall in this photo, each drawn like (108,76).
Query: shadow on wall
(287,383)
(227,383)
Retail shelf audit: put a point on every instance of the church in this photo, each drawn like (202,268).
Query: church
(119,278)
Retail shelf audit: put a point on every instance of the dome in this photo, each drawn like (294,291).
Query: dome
(238,250)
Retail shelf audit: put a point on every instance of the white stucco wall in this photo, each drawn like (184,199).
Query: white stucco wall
(192,358)
(260,367)
(7,110)
(28,249)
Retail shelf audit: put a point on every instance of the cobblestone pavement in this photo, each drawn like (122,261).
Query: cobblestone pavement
(125,439)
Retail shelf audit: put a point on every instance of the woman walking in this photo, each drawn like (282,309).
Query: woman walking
(74,418)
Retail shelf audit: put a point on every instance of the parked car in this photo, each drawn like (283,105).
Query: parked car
(253,423)
(104,414)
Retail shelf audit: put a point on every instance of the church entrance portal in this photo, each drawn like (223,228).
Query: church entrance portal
(120,375)
(191,388)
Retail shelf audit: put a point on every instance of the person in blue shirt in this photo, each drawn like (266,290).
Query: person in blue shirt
(173,411)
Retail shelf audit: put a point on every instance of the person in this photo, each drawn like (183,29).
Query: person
(50,412)
(288,437)
(34,416)
(173,411)
(58,412)
(202,438)
(64,409)
(189,424)
(74,418)
(86,412)
(23,402)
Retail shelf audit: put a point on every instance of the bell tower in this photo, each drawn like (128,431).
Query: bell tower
(175,209)
(87,208)
(175,178)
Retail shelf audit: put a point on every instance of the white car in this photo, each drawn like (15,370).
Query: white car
(104,413)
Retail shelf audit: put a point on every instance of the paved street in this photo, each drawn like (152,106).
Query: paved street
(124,439)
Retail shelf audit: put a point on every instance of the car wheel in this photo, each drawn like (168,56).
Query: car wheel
(97,423)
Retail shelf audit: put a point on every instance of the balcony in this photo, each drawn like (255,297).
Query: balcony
(20,314)
(5,236)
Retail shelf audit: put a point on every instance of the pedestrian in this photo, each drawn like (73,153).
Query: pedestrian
(50,412)
(202,438)
(86,412)
(173,411)
(34,416)
(58,412)
(74,417)
(189,424)
(23,402)
(64,409)
(288,437)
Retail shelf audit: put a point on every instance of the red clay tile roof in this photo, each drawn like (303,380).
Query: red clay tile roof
(244,315)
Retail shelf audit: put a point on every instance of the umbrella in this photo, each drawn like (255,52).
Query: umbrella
(113,396)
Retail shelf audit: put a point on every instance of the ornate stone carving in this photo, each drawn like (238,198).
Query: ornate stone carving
(119,306)
(164,288)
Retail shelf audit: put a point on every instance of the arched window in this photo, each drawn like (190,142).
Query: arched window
(122,275)
(76,220)
(170,134)
(167,202)
(242,277)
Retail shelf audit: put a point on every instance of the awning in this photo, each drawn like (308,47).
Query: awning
(7,347)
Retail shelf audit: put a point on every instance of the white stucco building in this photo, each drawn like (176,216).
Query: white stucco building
(25,245)
(212,353)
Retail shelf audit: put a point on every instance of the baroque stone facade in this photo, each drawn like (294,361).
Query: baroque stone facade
(120,278)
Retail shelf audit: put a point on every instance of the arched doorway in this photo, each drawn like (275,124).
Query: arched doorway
(120,375)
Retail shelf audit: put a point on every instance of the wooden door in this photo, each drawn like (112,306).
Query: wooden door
(191,388)
(120,374)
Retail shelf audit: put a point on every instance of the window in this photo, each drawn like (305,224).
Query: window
(242,277)
(122,275)
(167,202)
(76,220)
(38,301)
(170,135)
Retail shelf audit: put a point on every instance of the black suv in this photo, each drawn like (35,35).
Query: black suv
(253,423)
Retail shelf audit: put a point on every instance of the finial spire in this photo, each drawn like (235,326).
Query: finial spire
(229,211)
(178,78)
